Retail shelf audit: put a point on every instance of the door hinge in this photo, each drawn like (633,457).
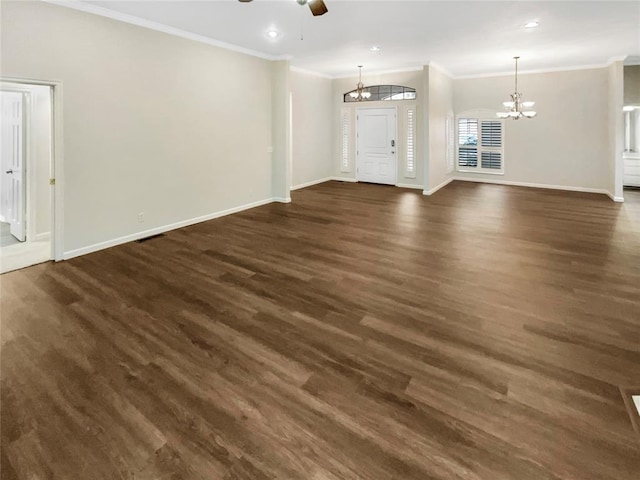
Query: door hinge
(52,181)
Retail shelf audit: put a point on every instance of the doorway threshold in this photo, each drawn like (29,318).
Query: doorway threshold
(15,257)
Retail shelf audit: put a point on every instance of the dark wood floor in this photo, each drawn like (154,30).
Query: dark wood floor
(362,332)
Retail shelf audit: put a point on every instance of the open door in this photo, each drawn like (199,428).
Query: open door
(13,168)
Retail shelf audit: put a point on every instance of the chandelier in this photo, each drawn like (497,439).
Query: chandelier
(516,108)
(359,94)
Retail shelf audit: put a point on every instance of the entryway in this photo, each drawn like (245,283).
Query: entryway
(631,155)
(26,160)
(376,153)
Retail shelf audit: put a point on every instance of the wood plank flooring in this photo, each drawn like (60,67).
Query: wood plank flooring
(361,332)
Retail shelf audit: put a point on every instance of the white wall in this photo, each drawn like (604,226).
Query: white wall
(281,131)
(312,128)
(152,123)
(616,129)
(439,108)
(413,79)
(567,144)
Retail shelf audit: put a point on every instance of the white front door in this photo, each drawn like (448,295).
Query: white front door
(377,145)
(13,168)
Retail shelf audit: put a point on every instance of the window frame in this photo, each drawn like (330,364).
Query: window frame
(410,145)
(479,116)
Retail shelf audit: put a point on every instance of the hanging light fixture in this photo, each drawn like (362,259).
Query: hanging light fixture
(516,108)
(359,94)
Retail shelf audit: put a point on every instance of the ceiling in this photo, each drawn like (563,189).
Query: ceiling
(465,37)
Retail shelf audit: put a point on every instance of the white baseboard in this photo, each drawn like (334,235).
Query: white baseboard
(614,198)
(165,228)
(43,237)
(438,187)
(344,179)
(278,200)
(536,185)
(309,184)
(409,185)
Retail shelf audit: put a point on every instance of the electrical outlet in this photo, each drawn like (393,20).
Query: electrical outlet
(141,217)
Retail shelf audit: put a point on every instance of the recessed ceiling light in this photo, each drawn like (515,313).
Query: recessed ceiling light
(272,34)
(531,24)
(375,48)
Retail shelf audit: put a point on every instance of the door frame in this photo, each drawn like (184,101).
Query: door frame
(357,142)
(57,161)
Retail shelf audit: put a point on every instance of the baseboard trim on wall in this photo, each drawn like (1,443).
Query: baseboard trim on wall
(43,237)
(535,185)
(165,228)
(311,183)
(409,185)
(438,187)
(344,179)
(280,200)
(614,198)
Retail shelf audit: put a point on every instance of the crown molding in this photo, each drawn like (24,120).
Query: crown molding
(437,66)
(381,72)
(608,63)
(159,27)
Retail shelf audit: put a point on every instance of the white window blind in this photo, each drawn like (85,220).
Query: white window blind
(411,144)
(480,145)
(491,133)
(346,137)
(491,141)
(468,142)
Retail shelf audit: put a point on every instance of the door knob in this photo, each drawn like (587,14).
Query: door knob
(9,171)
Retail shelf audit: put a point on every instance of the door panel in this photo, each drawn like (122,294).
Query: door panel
(376,152)
(13,168)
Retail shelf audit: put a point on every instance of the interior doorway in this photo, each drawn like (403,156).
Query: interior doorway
(26,213)
(631,155)
(376,152)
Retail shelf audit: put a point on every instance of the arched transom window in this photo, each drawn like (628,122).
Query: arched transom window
(383,93)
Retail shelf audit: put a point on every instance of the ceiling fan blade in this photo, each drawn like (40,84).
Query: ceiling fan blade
(318,7)
(245,1)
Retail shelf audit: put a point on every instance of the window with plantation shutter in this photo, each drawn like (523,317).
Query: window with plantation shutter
(468,157)
(480,145)
(346,133)
(491,133)
(468,142)
(411,144)
(491,160)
